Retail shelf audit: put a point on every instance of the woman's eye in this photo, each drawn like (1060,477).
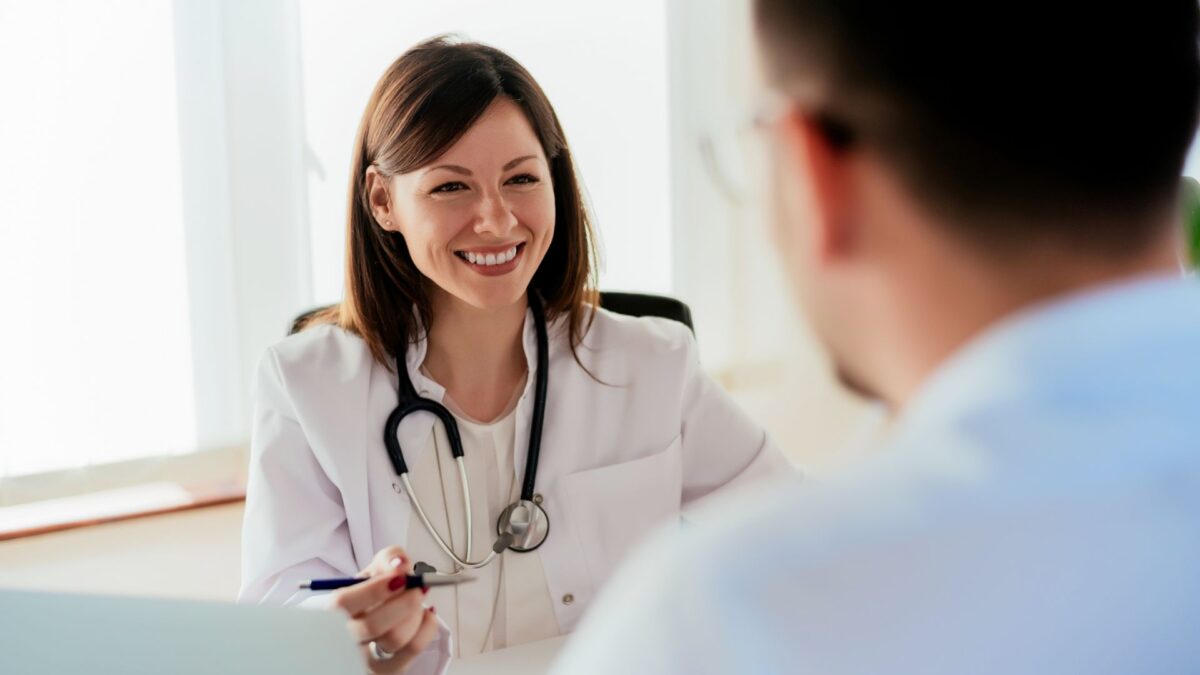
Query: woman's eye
(454,186)
(523,179)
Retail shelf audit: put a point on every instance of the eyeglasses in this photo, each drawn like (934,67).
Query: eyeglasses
(737,152)
(738,157)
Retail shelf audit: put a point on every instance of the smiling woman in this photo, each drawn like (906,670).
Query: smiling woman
(421,216)
(567,433)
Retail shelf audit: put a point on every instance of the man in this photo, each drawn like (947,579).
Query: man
(977,208)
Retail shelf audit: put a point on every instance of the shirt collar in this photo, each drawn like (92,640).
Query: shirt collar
(1078,344)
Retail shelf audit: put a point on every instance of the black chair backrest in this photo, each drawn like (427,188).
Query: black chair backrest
(629,304)
(644,304)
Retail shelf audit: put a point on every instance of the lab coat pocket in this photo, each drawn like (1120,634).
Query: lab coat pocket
(613,508)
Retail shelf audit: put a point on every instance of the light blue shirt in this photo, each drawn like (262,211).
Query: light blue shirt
(1037,509)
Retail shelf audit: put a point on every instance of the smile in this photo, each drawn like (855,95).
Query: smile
(491,262)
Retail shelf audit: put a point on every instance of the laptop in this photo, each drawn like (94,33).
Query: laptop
(44,632)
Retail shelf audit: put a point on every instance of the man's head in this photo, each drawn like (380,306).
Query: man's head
(940,164)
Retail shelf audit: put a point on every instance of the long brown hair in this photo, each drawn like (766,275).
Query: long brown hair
(425,101)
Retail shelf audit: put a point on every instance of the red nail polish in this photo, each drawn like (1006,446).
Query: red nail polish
(397,583)
(432,610)
(424,590)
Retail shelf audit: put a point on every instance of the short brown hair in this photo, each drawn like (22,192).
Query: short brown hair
(424,102)
(1023,121)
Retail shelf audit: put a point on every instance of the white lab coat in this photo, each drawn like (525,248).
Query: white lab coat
(1036,510)
(619,456)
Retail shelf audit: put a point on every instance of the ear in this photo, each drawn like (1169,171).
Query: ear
(817,156)
(380,199)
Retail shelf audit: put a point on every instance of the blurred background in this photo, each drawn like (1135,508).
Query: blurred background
(173,181)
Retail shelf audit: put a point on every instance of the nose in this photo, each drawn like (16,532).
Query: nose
(495,216)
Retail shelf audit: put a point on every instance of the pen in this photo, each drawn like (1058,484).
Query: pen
(410,581)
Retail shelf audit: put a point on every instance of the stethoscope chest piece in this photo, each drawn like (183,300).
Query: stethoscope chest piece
(524,524)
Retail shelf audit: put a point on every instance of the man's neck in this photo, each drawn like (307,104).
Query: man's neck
(949,309)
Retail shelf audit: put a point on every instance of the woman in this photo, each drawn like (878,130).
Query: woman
(467,236)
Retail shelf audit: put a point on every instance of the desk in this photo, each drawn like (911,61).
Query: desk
(528,659)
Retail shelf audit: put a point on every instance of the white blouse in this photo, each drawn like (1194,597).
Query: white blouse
(509,602)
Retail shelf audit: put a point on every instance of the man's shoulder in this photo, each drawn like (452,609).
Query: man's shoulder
(886,497)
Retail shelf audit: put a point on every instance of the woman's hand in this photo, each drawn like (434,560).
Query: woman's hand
(384,612)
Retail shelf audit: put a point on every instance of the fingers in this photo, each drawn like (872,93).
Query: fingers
(426,632)
(361,598)
(391,624)
(384,568)
(383,610)
(385,562)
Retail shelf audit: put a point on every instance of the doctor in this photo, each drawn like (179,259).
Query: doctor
(469,293)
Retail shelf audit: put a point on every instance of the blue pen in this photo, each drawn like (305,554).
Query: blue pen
(410,581)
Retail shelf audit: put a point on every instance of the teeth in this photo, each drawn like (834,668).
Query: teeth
(490,258)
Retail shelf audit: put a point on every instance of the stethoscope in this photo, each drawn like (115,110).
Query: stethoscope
(523,525)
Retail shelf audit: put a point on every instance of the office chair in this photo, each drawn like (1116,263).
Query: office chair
(629,304)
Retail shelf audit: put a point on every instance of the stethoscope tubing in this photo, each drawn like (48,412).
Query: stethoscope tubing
(539,397)
(465,561)
(411,402)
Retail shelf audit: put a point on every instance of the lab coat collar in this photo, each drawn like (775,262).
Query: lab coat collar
(414,436)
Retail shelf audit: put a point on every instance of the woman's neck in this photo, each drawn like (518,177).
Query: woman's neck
(477,355)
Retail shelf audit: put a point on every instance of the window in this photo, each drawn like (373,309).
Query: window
(96,352)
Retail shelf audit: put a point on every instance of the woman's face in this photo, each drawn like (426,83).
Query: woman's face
(479,219)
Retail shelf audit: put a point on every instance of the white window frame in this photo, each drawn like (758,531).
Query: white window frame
(246,226)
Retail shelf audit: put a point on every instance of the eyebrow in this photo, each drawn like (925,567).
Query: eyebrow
(467,172)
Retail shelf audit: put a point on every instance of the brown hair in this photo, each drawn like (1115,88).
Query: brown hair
(425,101)
(1023,127)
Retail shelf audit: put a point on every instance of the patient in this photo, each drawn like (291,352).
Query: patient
(978,215)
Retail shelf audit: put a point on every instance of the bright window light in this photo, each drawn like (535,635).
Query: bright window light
(95,355)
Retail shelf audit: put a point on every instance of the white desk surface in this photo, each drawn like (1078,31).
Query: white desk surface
(528,659)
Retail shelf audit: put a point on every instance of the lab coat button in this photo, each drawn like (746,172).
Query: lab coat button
(537,499)
(568,599)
